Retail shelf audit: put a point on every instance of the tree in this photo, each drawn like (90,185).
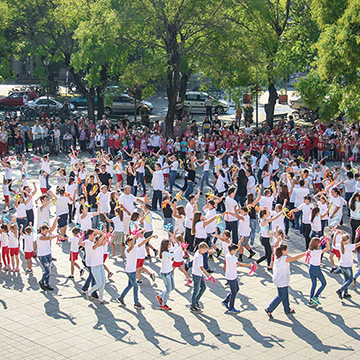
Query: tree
(170,33)
(82,35)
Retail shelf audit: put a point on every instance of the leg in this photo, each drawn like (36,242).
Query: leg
(285,300)
(196,289)
(312,273)
(278,299)
(234,287)
(202,290)
(323,283)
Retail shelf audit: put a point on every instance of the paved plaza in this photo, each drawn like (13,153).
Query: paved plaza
(63,325)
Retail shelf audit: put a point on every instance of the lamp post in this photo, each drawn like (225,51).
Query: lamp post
(46,63)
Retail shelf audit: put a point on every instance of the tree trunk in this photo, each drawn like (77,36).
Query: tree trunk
(270,106)
(100,102)
(170,115)
(90,95)
(183,84)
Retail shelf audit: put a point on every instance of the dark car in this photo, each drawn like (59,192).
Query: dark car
(80,101)
(16,99)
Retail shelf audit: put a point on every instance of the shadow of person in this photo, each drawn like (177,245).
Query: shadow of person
(33,283)
(12,281)
(308,336)
(339,321)
(213,326)
(107,319)
(250,329)
(3,303)
(183,328)
(149,332)
(52,309)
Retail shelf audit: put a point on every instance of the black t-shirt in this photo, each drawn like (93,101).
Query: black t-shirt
(105,178)
(92,197)
(167,211)
(191,175)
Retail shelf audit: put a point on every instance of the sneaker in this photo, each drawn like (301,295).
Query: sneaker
(353,283)
(48,287)
(224,303)
(121,301)
(139,282)
(156,252)
(29,271)
(186,266)
(70,276)
(316,300)
(218,253)
(210,271)
(42,285)
(193,309)
(234,311)
(197,306)
(110,275)
(211,258)
(147,257)
(112,256)
(227,284)
(252,253)
(240,259)
(333,269)
(103,302)
(186,256)
(269,314)
(312,303)
(339,294)
(165,307)
(138,306)
(159,300)
(189,281)
(152,277)
(82,271)
(84,291)
(337,271)
(94,295)
(347,296)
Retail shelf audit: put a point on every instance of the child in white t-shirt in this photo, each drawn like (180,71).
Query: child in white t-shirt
(28,237)
(74,252)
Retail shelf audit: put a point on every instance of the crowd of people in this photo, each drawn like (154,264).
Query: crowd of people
(267,183)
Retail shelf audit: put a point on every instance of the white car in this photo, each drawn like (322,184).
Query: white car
(126,104)
(195,102)
(43,103)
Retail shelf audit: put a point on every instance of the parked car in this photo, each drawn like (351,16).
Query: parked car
(297,103)
(16,99)
(195,102)
(80,101)
(126,104)
(43,103)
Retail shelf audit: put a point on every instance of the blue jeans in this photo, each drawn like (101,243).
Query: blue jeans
(283,296)
(94,219)
(90,279)
(358,260)
(131,284)
(232,226)
(47,182)
(316,234)
(45,262)
(348,278)
(189,189)
(98,273)
(140,180)
(157,197)
(198,289)
(205,178)
(315,273)
(347,198)
(168,279)
(172,180)
(253,227)
(298,216)
(234,289)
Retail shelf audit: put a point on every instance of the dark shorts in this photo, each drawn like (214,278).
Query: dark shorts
(62,220)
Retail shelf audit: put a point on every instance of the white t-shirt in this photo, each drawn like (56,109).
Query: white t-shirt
(189,213)
(13,241)
(198,262)
(85,223)
(336,202)
(220,184)
(62,205)
(28,242)
(231,206)
(74,244)
(71,189)
(278,222)
(158,180)
(281,276)
(323,208)
(336,246)
(140,250)
(349,185)
(306,212)
(266,202)
(148,222)
(299,195)
(131,259)
(347,259)
(4,239)
(43,246)
(118,224)
(179,225)
(210,228)
(315,259)
(21,211)
(88,252)
(104,200)
(200,230)
(231,267)
(244,226)
(127,201)
(97,256)
(45,165)
(316,223)
(167,259)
